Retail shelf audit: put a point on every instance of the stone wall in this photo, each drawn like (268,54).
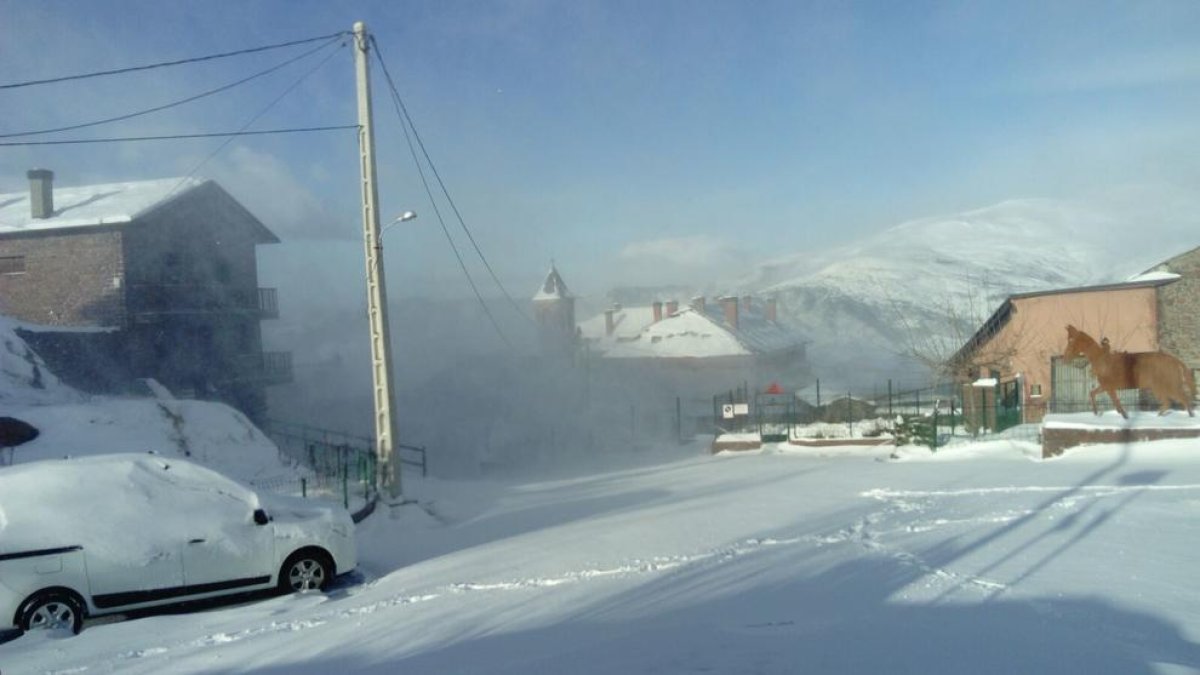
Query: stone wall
(1179,309)
(1054,441)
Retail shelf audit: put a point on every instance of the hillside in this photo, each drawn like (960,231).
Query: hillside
(934,280)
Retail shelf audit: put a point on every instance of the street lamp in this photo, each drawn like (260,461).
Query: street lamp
(402,218)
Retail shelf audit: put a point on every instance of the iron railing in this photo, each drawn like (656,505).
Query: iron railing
(268,303)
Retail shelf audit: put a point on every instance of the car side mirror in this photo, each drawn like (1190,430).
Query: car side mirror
(261,517)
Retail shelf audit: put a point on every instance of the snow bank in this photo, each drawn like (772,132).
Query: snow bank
(73,424)
(1111,419)
(212,434)
(24,377)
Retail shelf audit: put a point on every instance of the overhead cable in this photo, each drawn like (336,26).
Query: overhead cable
(254,118)
(438,212)
(172,137)
(173,104)
(165,64)
(402,110)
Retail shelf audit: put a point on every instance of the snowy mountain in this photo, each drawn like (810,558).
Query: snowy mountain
(940,277)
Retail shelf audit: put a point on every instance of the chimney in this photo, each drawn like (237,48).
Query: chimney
(769,312)
(672,307)
(657,311)
(730,305)
(41,192)
(608,322)
(745,304)
(698,303)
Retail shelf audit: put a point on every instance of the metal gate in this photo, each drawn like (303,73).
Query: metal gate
(1070,382)
(774,414)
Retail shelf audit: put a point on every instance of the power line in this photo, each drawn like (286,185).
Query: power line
(165,64)
(438,212)
(254,119)
(402,110)
(173,104)
(172,137)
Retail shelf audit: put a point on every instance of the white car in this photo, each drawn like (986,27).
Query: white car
(115,533)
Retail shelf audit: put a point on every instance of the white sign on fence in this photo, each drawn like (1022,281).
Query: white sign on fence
(727,411)
(741,409)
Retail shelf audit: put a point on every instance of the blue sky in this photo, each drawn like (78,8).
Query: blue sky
(633,142)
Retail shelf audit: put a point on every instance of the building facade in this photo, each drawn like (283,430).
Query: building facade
(153,279)
(1020,346)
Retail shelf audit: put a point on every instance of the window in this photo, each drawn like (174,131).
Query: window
(12,264)
(1035,390)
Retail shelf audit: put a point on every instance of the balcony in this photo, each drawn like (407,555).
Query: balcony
(146,301)
(266,368)
(268,303)
(277,368)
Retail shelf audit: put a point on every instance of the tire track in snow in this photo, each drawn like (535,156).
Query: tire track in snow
(884,494)
(864,532)
(899,502)
(636,567)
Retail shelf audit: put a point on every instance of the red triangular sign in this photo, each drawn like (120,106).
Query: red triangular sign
(774,388)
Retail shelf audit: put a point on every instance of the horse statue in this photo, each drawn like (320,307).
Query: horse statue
(1163,374)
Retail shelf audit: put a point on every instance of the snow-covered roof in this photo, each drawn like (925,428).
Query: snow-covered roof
(689,333)
(87,205)
(1154,276)
(686,334)
(553,288)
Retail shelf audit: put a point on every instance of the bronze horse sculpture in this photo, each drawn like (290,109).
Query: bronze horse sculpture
(1163,374)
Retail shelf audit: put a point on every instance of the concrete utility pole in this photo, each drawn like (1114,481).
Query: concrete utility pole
(381,347)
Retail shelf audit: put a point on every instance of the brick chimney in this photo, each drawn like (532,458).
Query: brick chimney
(672,307)
(608,322)
(769,312)
(730,306)
(698,303)
(657,306)
(41,192)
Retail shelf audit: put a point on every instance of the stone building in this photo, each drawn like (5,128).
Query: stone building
(151,279)
(1179,306)
(1020,346)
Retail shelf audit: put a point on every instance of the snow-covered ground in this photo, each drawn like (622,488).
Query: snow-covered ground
(74,424)
(982,558)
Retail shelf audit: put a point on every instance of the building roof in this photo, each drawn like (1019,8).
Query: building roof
(553,288)
(1002,314)
(106,204)
(689,333)
(86,205)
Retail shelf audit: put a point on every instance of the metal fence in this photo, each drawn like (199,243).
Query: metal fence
(931,415)
(342,464)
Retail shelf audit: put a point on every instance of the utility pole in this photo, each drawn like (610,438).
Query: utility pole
(381,347)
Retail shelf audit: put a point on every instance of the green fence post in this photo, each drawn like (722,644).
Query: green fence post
(933,440)
(345,483)
(304,488)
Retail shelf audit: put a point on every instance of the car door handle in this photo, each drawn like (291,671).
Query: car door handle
(196,541)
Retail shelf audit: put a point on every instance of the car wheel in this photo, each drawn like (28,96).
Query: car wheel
(52,610)
(306,571)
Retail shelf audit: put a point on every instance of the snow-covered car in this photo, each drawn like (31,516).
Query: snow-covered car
(116,533)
